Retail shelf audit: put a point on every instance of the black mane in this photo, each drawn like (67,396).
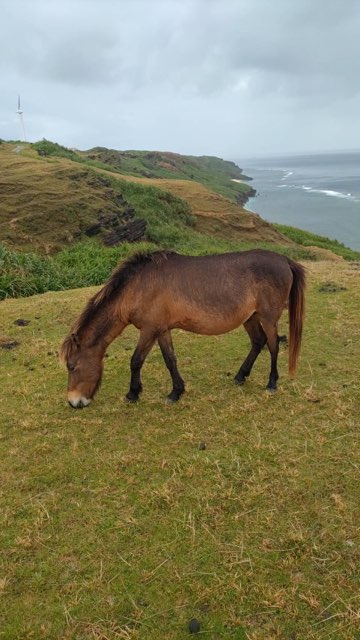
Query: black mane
(117,282)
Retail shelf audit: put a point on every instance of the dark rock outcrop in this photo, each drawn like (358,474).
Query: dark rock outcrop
(129,232)
(243,196)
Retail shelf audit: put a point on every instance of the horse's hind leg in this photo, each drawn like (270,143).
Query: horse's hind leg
(270,328)
(167,350)
(144,346)
(258,340)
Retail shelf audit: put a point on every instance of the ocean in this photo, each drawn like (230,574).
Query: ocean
(318,193)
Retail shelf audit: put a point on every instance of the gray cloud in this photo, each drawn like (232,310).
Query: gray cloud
(199,76)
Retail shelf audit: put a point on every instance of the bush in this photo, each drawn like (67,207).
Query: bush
(47,148)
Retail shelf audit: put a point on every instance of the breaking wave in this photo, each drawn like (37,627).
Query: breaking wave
(326,192)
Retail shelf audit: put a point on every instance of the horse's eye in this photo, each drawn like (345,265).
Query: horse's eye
(70,366)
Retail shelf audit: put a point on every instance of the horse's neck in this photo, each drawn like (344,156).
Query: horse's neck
(116,323)
(114,332)
(106,326)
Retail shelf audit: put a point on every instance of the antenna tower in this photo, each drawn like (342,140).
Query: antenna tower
(20,113)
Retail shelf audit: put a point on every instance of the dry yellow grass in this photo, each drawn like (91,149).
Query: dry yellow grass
(44,201)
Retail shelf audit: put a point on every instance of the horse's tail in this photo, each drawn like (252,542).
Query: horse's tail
(296,313)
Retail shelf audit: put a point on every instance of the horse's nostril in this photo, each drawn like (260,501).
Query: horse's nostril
(79,405)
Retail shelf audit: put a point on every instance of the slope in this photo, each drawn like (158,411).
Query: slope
(49,202)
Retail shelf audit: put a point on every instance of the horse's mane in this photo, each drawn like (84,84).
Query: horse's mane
(111,289)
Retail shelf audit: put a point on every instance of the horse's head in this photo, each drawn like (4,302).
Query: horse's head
(85,366)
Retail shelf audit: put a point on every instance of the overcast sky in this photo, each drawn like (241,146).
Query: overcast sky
(234,78)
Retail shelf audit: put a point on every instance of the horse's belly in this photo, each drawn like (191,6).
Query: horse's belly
(211,325)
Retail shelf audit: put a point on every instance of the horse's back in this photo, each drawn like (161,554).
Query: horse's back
(236,271)
(216,293)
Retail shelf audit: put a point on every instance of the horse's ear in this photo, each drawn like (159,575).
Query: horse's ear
(75,339)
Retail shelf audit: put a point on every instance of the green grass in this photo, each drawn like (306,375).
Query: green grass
(85,264)
(89,263)
(307,239)
(48,148)
(115,524)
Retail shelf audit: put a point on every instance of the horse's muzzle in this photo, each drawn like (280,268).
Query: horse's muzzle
(78,403)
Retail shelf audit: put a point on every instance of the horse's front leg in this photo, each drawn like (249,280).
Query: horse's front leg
(143,348)
(167,350)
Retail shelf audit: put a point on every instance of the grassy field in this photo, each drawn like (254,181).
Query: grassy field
(115,525)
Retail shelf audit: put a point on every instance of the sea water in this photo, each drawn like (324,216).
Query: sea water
(318,192)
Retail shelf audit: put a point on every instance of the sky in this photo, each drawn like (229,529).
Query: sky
(233,78)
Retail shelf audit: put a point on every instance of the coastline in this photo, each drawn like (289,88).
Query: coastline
(319,194)
(242,197)
(310,239)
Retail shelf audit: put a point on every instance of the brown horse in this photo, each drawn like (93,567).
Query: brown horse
(210,295)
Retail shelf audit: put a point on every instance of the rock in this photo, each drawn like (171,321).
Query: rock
(130,232)
(331,287)
(194,626)
(93,229)
(8,343)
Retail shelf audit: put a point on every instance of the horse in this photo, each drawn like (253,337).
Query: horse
(209,295)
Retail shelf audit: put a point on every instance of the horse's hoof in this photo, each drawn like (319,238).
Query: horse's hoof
(173,397)
(130,399)
(270,390)
(239,381)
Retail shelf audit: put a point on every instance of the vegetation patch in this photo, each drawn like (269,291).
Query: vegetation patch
(47,148)
(308,239)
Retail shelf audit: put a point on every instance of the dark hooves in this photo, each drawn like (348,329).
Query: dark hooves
(174,396)
(271,389)
(131,398)
(239,381)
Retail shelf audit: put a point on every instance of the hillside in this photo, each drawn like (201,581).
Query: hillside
(222,176)
(51,201)
(116,525)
